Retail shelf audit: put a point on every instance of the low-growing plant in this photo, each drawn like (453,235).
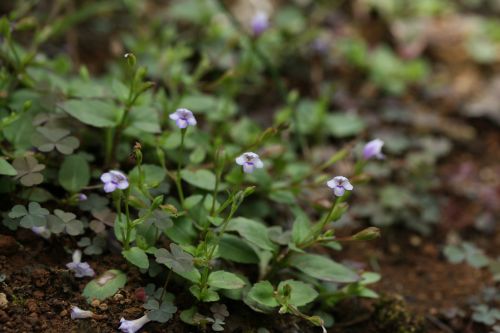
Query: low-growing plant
(206,196)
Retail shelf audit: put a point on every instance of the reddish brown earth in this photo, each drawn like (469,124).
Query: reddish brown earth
(40,291)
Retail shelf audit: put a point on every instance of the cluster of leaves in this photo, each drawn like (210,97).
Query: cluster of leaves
(62,128)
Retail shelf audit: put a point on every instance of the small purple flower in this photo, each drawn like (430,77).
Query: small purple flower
(260,23)
(81,269)
(82,197)
(113,180)
(250,161)
(132,326)
(183,118)
(373,149)
(77,313)
(339,185)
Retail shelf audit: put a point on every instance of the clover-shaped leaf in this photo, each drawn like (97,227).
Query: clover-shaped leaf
(218,325)
(95,246)
(47,139)
(34,216)
(45,118)
(220,311)
(177,260)
(103,218)
(65,221)
(159,219)
(28,170)
(484,314)
(160,313)
(94,202)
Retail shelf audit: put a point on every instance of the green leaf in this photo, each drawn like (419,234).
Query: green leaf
(235,249)
(47,139)
(176,259)
(203,179)
(137,257)
(225,280)
(28,170)
(182,231)
(6,169)
(208,295)
(18,211)
(153,175)
(301,228)
(74,173)
(322,268)
(92,112)
(253,231)
(19,132)
(263,293)
(105,285)
(302,293)
(144,119)
(342,125)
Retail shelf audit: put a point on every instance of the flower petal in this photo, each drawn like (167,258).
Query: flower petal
(339,191)
(240,160)
(348,186)
(123,184)
(248,168)
(109,187)
(181,123)
(106,177)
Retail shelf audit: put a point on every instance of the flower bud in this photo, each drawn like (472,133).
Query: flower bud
(367,234)
(131,59)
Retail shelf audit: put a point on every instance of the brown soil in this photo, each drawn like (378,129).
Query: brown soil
(40,292)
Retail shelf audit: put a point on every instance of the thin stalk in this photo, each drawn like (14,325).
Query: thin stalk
(179,165)
(119,211)
(167,279)
(126,244)
(217,181)
(273,70)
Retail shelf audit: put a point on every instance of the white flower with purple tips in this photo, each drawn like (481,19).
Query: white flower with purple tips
(373,149)
(250,161)
(113,180)
(77,313)
(183,118)
(260,23)
(132,326)
(81,269)
(339,185)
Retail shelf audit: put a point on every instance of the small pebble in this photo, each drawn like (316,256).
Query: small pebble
(95,303)
(103,306)
(118,297)
(3,301)
(31,305)
(63,313)
(415,241)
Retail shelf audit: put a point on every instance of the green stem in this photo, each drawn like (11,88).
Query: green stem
(311,239)
(167,279)
(211,250)
(273,70)
(179,165)
(126,243)
(119,211)
(218,174)
(109,146)
(327,218)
